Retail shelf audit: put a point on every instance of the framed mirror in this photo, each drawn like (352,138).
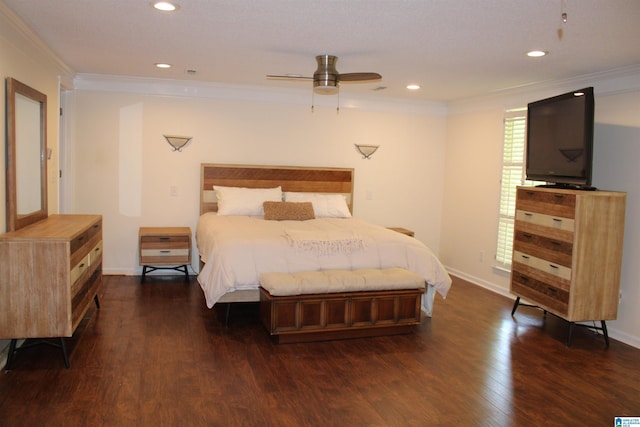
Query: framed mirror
(26,125)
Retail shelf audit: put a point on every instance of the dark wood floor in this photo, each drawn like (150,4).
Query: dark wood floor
(154,355)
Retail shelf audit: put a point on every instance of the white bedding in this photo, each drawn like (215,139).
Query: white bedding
(236,249)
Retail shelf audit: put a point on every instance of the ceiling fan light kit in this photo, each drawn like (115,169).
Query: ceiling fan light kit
(327,79)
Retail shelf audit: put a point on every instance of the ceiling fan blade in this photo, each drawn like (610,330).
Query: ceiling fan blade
(359,77)
(288,76)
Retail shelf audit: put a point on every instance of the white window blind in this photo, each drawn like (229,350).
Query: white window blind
(513,175)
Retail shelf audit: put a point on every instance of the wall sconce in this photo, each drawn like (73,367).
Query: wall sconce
(366,150)
(177,142)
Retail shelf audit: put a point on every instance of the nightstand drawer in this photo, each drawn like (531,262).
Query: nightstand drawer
(148,253)
(173,241)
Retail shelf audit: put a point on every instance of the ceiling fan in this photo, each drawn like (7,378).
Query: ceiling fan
(326,79)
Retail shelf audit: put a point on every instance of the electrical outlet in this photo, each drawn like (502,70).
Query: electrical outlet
(481,257)
(173,191)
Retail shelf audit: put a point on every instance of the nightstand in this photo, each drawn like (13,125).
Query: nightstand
(165,248)
(402,230)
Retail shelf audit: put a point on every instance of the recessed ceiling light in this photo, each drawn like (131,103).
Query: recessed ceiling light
(413,87)
(163,65)
(165,6)
(536,53)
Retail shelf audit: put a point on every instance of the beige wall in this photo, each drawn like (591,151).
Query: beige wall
(407,171)
(21,60)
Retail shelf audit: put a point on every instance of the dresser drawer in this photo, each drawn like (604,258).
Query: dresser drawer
(552,203)
(544,220)
(547,295)
(545,247)
(96,253)
(78,269)
(542,265)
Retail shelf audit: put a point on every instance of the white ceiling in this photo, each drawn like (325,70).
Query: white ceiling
(454,49)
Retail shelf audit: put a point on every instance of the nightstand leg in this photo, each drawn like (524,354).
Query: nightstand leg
(144,273)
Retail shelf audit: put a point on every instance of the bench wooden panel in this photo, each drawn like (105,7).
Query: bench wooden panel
(320,317)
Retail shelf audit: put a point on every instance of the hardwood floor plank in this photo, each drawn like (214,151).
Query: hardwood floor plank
(154,355)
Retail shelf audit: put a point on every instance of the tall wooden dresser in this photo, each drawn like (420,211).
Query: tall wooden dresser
(567,252)
(50,273)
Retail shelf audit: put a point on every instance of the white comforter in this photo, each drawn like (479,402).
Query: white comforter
(237,249)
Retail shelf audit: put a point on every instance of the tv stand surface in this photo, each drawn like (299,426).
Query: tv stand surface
(569,187)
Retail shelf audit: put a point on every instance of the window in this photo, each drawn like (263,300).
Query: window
(513,174)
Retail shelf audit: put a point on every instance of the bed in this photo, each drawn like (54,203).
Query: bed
(236,249)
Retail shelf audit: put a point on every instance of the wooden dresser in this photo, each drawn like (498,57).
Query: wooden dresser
(50,273)
(567,252)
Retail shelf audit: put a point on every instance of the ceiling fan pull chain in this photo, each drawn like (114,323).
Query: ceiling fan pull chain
(338,106)
(312,101)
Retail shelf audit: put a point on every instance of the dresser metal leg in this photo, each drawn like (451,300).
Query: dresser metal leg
(602,328)
(605,333)
(571,325)
(515,306)
(12,350)
(65,356)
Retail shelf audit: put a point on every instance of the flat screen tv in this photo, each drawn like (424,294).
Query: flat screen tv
(560,139)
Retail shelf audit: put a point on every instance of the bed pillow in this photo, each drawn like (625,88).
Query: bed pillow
(245,201)
(296,211)
(324,205)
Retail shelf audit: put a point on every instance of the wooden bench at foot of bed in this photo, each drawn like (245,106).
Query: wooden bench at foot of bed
(340,304)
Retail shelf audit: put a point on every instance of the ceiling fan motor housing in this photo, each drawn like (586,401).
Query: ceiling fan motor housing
(326,77)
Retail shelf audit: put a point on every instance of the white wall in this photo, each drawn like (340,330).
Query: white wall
(404,178)
(472,184)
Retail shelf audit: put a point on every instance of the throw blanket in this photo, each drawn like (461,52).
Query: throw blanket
(321,242)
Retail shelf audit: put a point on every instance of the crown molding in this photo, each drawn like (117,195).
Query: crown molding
(16,32)
(609,82)
(214,90)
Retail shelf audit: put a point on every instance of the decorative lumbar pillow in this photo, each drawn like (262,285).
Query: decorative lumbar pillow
(245,201)
(280,211)
(324,205)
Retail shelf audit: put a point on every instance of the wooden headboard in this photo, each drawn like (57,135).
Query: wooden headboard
(290,178)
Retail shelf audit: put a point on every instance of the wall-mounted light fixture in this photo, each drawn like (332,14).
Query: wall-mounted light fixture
(177,142)
(366,150)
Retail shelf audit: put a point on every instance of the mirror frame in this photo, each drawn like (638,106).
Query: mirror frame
(16,220)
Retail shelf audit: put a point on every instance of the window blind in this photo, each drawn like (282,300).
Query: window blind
(513,175)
